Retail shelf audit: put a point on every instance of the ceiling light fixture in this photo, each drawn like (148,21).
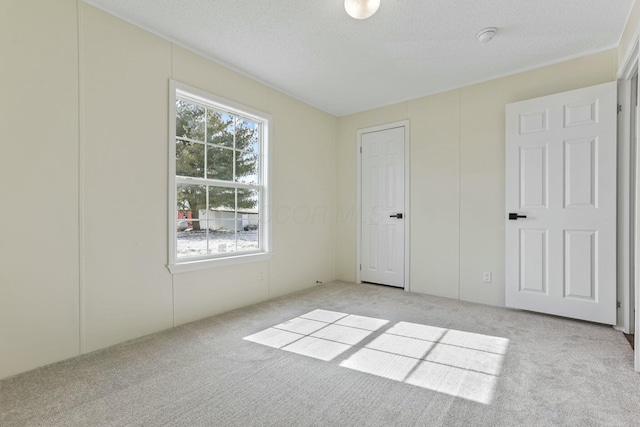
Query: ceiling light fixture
(484,36)
(361,9)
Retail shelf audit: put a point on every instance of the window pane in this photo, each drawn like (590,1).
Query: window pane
(247,167)
(220,128)
(189,159)
(248,219)
(192,242)
(248,201)
(222,237)
(189,120)
(247,135)
(218,181)
(222,199)
(219,163)
(249,236)
(192,200)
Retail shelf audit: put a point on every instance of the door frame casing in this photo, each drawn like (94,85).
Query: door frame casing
(407,196)
(626,73)
(625,198)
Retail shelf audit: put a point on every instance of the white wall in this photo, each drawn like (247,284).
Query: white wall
(457,177)
(85,126)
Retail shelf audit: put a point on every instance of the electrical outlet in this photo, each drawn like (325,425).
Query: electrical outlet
(261,276)
(486,277)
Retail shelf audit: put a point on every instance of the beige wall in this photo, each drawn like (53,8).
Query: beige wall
(457,177)
(629,35)
(96,276)
(124,92)
(38,173)
(302,200)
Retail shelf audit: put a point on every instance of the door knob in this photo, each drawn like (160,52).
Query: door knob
(398,215)
(515,216)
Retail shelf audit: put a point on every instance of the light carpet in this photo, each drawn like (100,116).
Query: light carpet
(422,360)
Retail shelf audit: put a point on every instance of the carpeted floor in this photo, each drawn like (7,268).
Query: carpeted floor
(544,370)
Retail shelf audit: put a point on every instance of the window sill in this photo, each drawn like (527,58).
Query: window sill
(203,264)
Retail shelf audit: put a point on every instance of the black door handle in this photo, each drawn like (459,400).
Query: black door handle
(398,215)
(515,216)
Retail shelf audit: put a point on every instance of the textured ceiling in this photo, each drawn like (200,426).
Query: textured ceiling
(313,51)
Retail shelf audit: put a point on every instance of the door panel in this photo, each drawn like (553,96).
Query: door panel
(561,175)
(580,251)
(533,261)
(533,167)
(580,173)
(382,198)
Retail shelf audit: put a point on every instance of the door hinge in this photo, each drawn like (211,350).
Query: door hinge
(360,267)
(619,108)
(360,150)
(619,304)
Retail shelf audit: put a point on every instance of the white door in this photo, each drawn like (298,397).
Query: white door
(561,186)
(383,216)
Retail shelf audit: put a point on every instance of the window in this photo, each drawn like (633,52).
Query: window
(218,181)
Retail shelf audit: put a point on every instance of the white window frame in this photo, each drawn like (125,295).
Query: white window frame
(178,265)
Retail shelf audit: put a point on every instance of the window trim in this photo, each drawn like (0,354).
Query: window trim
(176,265)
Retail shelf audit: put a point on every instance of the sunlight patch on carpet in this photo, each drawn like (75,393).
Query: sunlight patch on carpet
(457,363)
(321,334)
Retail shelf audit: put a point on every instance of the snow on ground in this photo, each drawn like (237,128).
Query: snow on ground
(194,243)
